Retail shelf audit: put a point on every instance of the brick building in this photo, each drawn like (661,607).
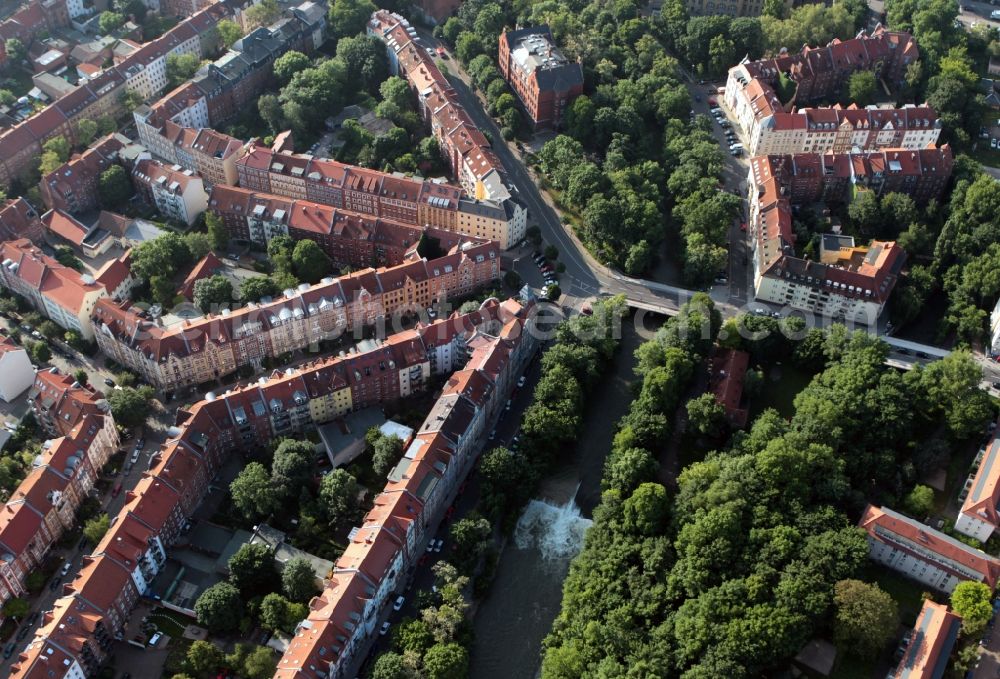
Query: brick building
(544,80)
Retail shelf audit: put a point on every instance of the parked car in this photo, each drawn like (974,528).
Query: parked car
(995,14)
(8,650)
(66,567)
(155,639)
(993,143)
(398,604)
(108,381)
(54,585)
(493,434)
(117,489)
(384,628)
(507,407)
(438,545)
(521,380)
(135,456)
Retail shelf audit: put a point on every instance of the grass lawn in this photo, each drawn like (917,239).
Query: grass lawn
(170,623)
(781,384)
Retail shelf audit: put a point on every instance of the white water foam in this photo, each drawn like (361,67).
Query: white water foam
(556,530)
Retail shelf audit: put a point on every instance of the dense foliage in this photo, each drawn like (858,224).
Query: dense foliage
(739,569)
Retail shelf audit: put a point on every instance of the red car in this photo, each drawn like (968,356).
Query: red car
(712,101)
(117,489)
(743,226)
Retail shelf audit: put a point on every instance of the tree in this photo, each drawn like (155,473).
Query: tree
(251,568)
(471,538)
(162,290)
(386,453)
(413,636)
(49,329)
(218,234)
(7,97)
(252,492)
(271,111)
(298,581)
(253,289)
(292,467)
(81,376)
(646,509)
(109,22)
(861,88)
(288,64)
(16,50)
(180,68)
(348,17)
(129,406)
(198,244)
(213,293)
(309,262)
(259,663)
(365,59)
(204,657)
(390,665)
(40,352)
(48,163)
(706,415)
(86,130)
(972,601)
(446,661)
(95,528)
(866,617)
(163,256)
(16,608)
(264,13)
(338,494)
(920,501)
(219,608)
(229,32)
(114,187)
(278,613)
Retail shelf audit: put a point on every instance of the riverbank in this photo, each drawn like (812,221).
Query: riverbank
(526,592)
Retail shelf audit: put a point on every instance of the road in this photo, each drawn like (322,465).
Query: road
(977,13)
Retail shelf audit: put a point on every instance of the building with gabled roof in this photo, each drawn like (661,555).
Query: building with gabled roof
(924,554)
(72,187)
(979,517)
(933,637)
(64,295)
(16,372)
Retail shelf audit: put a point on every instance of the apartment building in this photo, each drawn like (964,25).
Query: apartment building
(849,282)
(202,350)
(95,606)
(840,130)
(72,187)
(924,554)
(16,372)
(815,73)
(979,517)
(466,149)
(62,294)
(545,81)
(101,95)
(44,505)
(348,238)
(18,219)
(406,200)
(931,642)
(177,193)
(342,620)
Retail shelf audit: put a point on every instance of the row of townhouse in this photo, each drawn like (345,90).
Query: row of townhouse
(73,186)
(848,282)
(35,18)
(923,553)
(203,350)
(348,238)
(342,620)
(979,516)
(77,635)
(463,145)
(754,91)
(143,71)
(62,294)
(44,505)
(408,200)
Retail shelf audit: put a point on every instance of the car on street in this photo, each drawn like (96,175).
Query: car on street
(135,456)
(108,381)
(398,604)
(66,567)
(117,489)
(384,628)
(507,407)
(140,444)
(521,380)
(493,434)
(54,584)
(430,547)
(8,650)
(438,545)
(155,639)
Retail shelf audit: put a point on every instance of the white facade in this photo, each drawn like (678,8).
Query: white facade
(16,373)
(75,8)
(920,569)
(974,526)
(181,202)
(995,329)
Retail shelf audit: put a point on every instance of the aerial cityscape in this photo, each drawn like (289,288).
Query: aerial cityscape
(469,339)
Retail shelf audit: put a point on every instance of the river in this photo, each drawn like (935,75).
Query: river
(527,590)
